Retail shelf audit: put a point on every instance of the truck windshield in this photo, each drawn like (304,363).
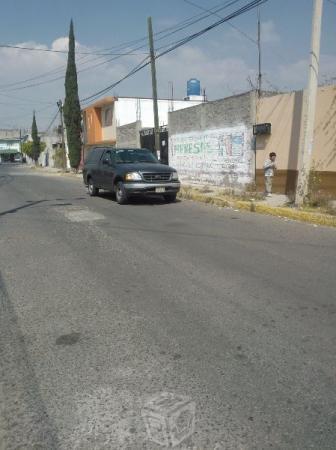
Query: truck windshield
(136,155)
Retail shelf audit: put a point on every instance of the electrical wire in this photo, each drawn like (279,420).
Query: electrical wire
(136,69)
(251,5)
(52,121)
(172,46)
(50,50)
(229,23)
(171,30)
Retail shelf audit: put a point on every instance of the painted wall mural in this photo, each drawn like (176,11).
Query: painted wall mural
(222,156)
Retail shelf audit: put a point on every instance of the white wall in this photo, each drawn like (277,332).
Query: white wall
(126,110)
(221,156)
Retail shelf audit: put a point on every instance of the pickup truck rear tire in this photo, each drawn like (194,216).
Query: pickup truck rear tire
(170,198)
(92,189)
(120,193)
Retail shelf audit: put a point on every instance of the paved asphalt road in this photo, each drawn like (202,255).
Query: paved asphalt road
(104,307)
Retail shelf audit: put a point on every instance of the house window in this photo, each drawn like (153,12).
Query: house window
(108,117)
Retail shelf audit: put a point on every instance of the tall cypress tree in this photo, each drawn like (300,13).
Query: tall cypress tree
(72,111)
(36,148)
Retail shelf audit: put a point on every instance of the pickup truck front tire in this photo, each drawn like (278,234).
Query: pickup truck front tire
(121,194)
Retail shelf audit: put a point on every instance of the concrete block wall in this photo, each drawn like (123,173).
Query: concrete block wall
(213,142)
(129,135)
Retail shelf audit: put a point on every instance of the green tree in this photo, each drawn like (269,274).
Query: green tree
(72,111)
(27,148)
(36,147)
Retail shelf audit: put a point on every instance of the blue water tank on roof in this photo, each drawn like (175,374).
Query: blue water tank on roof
(193,87)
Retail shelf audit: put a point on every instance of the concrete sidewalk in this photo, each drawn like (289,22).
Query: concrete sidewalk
(276,200)
(255,202)
(56,171)
(277,205)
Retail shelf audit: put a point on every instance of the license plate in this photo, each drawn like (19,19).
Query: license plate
(160,189)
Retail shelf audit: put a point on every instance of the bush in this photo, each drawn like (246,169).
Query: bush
(315,197)
(58,158)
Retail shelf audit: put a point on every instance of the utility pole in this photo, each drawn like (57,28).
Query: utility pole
(308,137)
(60,107)
(259,55)
(154,87)
(21,142)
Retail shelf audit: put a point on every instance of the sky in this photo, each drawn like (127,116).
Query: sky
(224,59)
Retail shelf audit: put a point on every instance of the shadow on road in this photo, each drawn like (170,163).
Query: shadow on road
(33,203)
(138,201)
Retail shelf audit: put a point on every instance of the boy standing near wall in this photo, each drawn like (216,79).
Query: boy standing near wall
(269,168)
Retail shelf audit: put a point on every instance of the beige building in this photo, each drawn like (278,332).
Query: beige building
(285,113)
(213,143)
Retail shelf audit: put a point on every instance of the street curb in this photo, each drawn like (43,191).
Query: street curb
(58,172)
(189,193)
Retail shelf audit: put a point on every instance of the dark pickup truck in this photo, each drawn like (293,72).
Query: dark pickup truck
(129,172)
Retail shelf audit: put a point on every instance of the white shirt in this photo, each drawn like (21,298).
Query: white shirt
(269,167)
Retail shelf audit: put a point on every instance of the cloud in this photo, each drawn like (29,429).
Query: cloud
(220,75)
(62,44)
(269,35)
(223,67)
(43,75)
(294,75)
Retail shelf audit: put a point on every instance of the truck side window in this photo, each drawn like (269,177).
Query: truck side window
(107,156)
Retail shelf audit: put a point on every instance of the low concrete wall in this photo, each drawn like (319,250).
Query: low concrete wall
(284,182)
(213,142)
(129,135)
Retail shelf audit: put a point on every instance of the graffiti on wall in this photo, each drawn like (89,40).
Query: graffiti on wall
(222,156)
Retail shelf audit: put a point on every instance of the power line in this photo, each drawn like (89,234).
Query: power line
(189,22)
(42,75)
(248,7)
(62,76)
(201,17)
(172,47)
(171,30)
(117,47)
(132,72)
(251,5)
(52,121)
(229,23)
(34,49)
(62,68)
